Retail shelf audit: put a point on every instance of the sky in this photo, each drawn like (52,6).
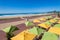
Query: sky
(26,6)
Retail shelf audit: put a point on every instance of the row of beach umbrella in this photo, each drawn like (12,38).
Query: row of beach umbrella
(49,29)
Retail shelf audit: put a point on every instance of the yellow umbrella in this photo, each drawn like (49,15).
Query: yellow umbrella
(55,30)
(58,21)
(36,21)
(43,19)
(53,20)
(29,36)
(25,35)
(44,25)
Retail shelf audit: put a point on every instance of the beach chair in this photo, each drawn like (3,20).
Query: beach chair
(55,30)
(36,21)
(36,30)
(49,36)
(45,24)
(25,35)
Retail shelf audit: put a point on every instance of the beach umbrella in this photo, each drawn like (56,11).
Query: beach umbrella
(42,19)
(48,22)
(36,30)
(6,29)
(58,21)
(55,30)
(9,31)
(49,36)
(53,20)
(36,21)
(25,35)
(57,25)
(45,24)
(28,23)
(48,17)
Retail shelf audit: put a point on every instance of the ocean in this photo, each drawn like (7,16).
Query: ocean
(20,14)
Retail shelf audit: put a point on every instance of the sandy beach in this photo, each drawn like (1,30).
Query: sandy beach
(7,21)
(17,21)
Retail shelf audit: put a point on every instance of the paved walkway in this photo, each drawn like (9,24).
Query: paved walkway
(3,25)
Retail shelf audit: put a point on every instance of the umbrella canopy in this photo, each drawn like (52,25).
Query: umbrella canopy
(25,35)
(43,19)
(57,25)
(49,36)
(6,29)
(58,21)
(36,30)
(53,20)
(45,24)
(55,30)
(48,22)
(36,21)
(28,23)
(48,17)
(10,29)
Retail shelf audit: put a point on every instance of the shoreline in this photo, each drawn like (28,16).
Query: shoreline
(15,16)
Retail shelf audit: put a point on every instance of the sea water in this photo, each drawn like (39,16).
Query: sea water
(19,14)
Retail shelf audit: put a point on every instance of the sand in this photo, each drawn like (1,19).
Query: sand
(7,24)
(4,25)
(17,20)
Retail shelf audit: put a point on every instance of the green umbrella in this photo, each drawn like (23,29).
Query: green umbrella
(48,17)
(6,29)
(28,23)
(48,22)
(57,25)
(49,36)
(56,19)
(36,30)
(9,31)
